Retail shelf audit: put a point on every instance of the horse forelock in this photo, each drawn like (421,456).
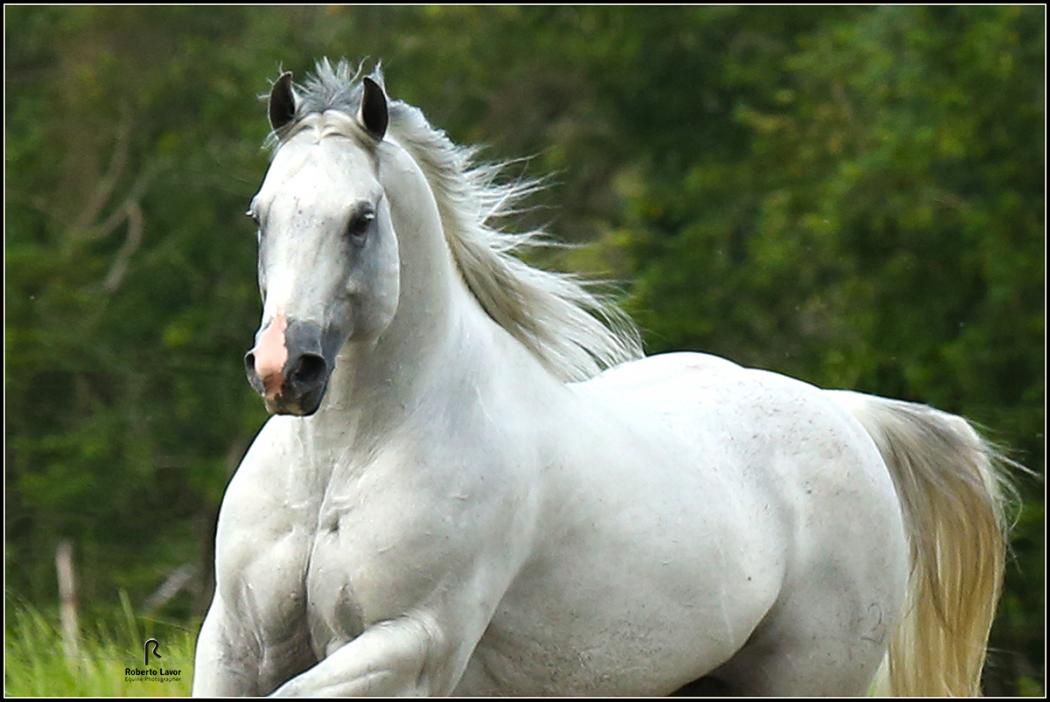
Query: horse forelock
(575,331)
(335,88)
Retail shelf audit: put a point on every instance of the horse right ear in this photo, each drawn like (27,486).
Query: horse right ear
(373,114)
(283,101)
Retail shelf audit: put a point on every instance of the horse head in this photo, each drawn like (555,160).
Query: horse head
(328,254)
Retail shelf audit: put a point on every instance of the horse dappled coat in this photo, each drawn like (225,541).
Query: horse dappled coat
(455,498)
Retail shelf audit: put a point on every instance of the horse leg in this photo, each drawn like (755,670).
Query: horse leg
(232,661)
(398,657)
(223,666)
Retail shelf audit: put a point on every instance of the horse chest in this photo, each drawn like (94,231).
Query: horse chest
(335,612)
(297,586)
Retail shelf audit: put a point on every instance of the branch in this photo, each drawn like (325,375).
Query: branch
(175,582)
(119,215)
(117,162)
(133,213)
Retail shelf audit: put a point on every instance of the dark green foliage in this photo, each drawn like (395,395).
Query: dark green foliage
(850,195)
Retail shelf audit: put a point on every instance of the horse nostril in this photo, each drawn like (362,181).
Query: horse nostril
(249,362)
(310,369)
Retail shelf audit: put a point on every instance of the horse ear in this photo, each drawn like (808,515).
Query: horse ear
(373,114)
(283,101)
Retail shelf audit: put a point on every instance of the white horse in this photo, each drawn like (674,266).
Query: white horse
(456,499)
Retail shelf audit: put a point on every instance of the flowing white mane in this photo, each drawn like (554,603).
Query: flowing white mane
(574,331)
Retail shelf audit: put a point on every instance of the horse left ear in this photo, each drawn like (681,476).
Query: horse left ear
(373,114)
(283,101)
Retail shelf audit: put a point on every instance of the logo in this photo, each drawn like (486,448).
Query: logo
(145,650)
(149,673)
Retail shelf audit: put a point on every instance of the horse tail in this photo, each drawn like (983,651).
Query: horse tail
(951,488)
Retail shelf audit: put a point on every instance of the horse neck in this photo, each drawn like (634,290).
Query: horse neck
(439,331)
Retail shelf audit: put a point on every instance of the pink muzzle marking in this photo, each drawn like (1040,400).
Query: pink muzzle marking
(271,353)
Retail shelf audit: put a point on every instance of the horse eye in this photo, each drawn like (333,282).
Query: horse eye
(359,226)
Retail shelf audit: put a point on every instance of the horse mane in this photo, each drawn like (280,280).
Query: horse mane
(574,331)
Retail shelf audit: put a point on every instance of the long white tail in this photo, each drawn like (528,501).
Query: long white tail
(951,489)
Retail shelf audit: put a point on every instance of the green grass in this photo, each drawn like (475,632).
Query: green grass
(35,664)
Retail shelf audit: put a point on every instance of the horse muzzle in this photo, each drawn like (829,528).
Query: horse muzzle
(288,366)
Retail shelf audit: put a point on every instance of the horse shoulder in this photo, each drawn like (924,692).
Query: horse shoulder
(262,533)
